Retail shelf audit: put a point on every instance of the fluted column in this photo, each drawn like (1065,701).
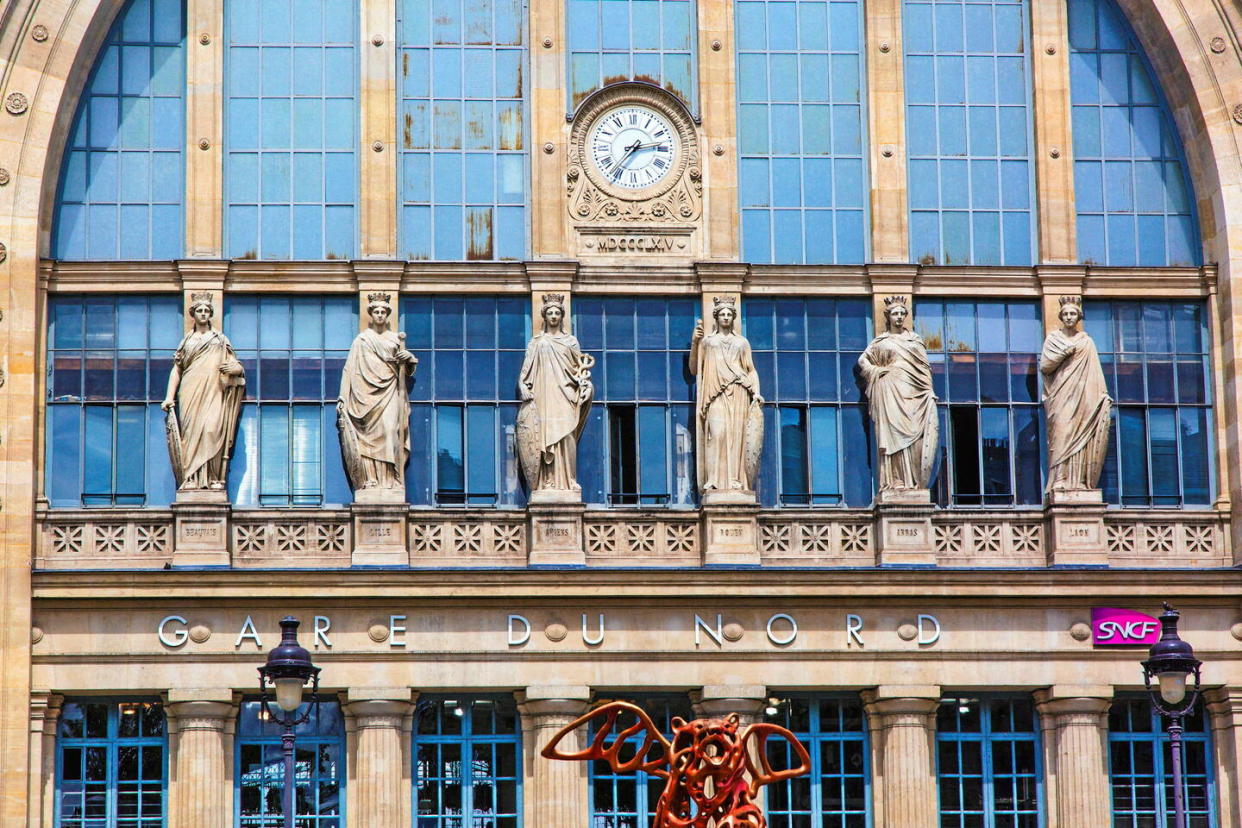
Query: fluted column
(555,791)
(44,714)
(379,791)
(1224,706)
(902,720)
(200,729)
(1074,721)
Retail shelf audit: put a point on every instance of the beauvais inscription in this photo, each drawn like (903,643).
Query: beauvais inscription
(702,631)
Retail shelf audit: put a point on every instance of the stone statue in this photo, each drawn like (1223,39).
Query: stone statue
(556,392)
(903,405)
(206,383)
(1076,404)
(373,410)
(729,407)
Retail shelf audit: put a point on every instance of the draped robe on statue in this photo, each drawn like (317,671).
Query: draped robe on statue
(1077,407)
(209,402)
(730,433)
(903,408)
(375,411)
(557,375)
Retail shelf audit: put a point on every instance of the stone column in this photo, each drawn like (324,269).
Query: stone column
(555,791)
(379,777)
(200,724)
(715,701)
(1224,706)
(44,714)
(1074,721)
(902,720)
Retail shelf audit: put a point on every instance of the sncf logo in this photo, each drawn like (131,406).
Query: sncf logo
(1120,627)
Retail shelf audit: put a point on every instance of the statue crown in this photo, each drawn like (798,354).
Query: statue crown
(551,299)
(719,302)
(379,298)
(890,301)
(1071,300)
(200,298)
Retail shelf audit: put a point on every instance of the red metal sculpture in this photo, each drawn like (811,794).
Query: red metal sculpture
(713,767)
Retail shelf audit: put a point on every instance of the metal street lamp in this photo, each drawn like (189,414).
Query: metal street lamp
(285,675)
(1171,662)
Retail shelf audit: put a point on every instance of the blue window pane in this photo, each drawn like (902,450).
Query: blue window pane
(644,40)
(122,175)
(988,744)
(801,141)
(291,119)
(321,763)
(1130,181)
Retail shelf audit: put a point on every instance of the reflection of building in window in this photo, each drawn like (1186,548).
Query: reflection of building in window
(637,448)
(1155,361)
(985,369)
(988,763)
(467,763)
(293,349)
(319,768)
(111,764)
(816,450)
(1139,765)
(108,364)
(837,790)
(464,402)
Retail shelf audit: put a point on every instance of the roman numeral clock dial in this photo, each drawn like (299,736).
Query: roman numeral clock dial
(632,146)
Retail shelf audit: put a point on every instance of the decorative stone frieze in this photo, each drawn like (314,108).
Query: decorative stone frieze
(998,538)
(662,537)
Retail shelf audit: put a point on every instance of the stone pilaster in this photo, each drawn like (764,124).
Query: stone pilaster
(902,720)
(556,791)
(200,787)
(1224,706)
(379,780)
(1074,720)
(44,713)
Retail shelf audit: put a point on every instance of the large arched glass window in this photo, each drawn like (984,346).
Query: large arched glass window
(1133,193)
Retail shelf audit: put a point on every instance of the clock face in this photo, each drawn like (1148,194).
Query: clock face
(632,146)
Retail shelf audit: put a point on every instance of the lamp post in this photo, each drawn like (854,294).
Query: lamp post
(285,675)
(1171,662)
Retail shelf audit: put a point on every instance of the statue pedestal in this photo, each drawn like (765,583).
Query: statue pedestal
(904,533)
(380,531)
(555,532)
(1076,528)
(730,533)
(201,518)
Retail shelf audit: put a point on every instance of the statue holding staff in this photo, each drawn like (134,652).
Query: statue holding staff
(556,392)
(206,384)
(729,424)
(373,409)
(1076,404)
(902,402)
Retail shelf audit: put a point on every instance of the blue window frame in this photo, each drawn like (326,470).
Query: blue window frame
(969,128)
(628,800)
(1132,189)
(985,371)
(108,362)
(293,349)
(111,765)
(803,181)
(655,41)
(837,792)
(1140,767)
(467,763)
(638,445)
(816,449)
(318,769)
(1156,363)
(464,159)
(290,117)
(463,414)
(988,763)
(121,183)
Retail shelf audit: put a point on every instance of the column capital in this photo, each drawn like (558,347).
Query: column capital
(1224,704)
(1064,704)
(556,702)
(895,705)
(551,274)
(716,700)
(200,709)
(722,277)
(44,708)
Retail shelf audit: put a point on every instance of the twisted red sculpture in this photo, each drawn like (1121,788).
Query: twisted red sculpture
(714,768)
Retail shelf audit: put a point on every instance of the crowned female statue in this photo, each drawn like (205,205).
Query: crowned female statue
(1076,404)
(556,392)
(373,410)
(729,424)
(206,384)
(903,404)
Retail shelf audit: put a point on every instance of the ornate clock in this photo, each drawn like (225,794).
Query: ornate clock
(633,158)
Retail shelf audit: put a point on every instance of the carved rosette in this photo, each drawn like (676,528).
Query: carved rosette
(676,200)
